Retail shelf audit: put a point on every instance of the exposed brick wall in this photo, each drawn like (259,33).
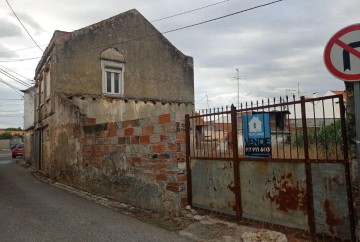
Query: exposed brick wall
(141,162)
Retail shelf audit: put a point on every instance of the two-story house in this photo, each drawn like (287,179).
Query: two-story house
(119,69)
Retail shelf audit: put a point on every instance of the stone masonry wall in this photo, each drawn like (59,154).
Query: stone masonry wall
(140,162)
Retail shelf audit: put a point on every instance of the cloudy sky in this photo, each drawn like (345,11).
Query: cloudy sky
(277,49)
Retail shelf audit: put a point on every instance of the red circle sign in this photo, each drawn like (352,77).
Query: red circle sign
(342,54)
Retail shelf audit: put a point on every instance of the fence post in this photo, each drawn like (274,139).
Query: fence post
(188,167)
(236,162)
(347,168)
(308,172)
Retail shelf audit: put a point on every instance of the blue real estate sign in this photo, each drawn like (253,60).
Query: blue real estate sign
(257,135)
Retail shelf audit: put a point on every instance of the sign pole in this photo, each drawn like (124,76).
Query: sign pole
(357,122)
(342,59)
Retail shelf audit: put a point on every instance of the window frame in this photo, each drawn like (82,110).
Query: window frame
(47,87)
(112,67)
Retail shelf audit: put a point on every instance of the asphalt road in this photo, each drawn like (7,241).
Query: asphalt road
(31,210)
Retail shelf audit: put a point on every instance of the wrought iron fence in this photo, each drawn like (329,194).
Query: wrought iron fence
(212,133)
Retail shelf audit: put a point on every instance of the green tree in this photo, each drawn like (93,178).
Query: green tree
(5,136)
(14,129)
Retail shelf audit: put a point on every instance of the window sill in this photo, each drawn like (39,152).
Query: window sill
(113,95)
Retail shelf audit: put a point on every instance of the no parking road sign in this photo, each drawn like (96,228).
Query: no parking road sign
(342,54)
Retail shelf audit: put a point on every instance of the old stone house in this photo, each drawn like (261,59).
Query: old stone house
(99,77)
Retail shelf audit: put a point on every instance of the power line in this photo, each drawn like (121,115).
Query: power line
(197,9)
(166,32)
(23,26)
(9,104)
(17,60)
(189,11)
(11,115)
(16,73)
(32,81)
(177,29)
(221,17)
(28,48)
(5,73)
(156,20)
(17,90)
(11,111)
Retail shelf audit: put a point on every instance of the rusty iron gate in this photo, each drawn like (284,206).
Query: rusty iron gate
(302,181)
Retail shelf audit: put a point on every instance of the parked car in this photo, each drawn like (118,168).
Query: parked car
(14,141)
(18,150)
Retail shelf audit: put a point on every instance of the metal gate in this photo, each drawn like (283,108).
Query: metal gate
(292,169)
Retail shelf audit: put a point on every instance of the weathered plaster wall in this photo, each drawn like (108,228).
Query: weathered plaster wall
(105,109)
(154,68)
(28,146)
(141,161)
(29,99)
(66,136)
(60,133)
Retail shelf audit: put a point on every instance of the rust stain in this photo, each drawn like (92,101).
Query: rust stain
(331,219)
(330,182)
(232,206)
(286,193)
(336,180)
(231,187)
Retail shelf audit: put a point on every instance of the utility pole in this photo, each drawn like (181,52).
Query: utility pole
(238,80)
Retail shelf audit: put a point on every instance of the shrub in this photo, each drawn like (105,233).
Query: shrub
(323,137)
(5,136)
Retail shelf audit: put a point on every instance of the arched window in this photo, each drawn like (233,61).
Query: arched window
(112,67)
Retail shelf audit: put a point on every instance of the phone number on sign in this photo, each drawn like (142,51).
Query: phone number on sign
(257,149)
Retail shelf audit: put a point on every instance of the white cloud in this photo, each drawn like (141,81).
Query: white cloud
(276,47)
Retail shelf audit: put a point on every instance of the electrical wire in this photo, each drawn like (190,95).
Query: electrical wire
(11,115)
(9,104)
(23,26)
(28,48)
(17,60)
(17,90)
(7,74)
(189,11)
(11,111)
(156,20)
(32,81)
(154,35)
(221,17)
(174,30)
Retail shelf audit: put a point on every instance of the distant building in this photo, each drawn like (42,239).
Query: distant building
(29,104)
